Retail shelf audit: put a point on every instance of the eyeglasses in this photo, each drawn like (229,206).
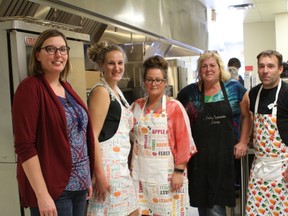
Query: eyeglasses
(156,81)
(51,50)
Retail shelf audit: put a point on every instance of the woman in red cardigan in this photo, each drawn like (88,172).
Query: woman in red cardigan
(54,140)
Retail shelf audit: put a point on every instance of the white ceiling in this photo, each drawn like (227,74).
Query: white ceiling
(264,10)
(228,26)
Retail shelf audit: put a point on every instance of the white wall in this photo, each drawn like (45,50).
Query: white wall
(281,32)
(258,36)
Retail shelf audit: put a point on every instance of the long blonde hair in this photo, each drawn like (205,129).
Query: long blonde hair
(224,75)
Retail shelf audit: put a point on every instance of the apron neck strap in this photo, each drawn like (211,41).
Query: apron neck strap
(273,105)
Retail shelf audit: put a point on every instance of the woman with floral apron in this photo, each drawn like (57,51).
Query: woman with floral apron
(162,141)
(267,190)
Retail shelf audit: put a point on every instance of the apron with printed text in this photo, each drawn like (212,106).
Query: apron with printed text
(211,170)
(153,166)
(267,191)
(122,199)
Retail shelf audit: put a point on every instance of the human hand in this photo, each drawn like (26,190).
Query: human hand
(46,205)
(240,150)
(101,188)
(285,174)
(89,192)
(177,181)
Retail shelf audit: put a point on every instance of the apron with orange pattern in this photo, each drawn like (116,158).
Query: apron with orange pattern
(153,166)
(122,199)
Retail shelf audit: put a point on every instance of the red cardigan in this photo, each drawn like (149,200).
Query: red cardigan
(39,125)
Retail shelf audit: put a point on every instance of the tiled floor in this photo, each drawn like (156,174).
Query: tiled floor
(192,211)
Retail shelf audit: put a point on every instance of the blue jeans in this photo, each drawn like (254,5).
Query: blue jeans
(70,203)
(216,210)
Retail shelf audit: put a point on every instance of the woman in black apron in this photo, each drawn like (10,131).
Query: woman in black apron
(214,105)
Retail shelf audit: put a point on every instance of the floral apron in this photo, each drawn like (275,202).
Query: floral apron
(153,166)
(267,191)
(122,199)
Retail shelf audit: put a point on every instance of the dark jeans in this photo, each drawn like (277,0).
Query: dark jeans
(216,210)
(70,203)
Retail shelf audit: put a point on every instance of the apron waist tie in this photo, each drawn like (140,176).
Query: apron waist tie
(268,168)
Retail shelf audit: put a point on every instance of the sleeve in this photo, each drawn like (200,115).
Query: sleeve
(179,133)
(182,96)
(25,110)
(252,97)
(241,90)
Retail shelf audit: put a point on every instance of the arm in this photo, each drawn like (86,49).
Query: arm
(33,172)
(181,143)
(177,176)
(25,111)
(246,124)
(98,106)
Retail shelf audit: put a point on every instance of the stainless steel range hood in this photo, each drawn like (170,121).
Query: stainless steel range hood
(79,16)
(46,15)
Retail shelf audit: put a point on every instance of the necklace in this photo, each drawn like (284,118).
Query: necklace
(158,104)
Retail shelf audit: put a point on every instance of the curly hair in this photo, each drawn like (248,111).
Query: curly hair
(97,52)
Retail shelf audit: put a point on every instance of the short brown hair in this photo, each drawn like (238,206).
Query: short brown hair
(270,53)
(155,62)
(234,62)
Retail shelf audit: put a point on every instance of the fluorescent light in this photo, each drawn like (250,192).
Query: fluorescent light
(241,6)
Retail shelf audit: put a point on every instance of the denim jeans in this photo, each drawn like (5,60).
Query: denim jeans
(216,210)
(70,203)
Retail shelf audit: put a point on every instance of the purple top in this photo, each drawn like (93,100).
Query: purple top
(77,121)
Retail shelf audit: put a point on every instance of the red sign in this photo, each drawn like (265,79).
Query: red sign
(29,41)
(249,68)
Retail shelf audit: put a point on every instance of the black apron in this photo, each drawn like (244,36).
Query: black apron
(211,170)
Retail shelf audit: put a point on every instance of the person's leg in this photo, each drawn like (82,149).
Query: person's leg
(70,203)
(34,212)
(64,204)
(214,211)
(79,202)
(202,211)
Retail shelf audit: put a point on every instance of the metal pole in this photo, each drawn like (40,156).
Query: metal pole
(245,172)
